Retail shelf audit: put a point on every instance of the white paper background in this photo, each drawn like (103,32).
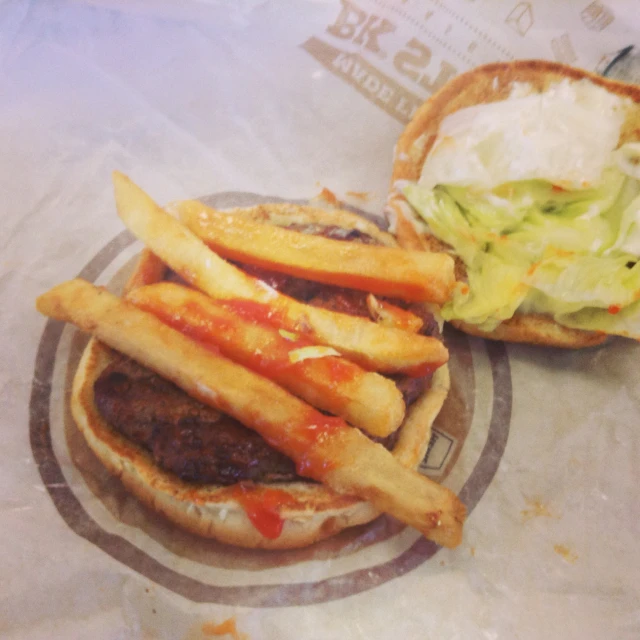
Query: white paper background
(193,98)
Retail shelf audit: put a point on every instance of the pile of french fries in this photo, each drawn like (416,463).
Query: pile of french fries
(270,361)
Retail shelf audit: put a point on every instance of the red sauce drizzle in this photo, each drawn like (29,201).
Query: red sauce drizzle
(254,311)
(190,320)
(315,430)
(272,360)
(614,308)
(421,370)
(262,506)
(532,268)
(402,319)
(339,370)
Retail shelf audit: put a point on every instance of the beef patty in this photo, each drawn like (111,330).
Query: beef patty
(202,445)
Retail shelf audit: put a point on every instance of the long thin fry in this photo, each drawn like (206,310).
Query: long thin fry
(388,271)
(372,346)
(364,399)
(324,448)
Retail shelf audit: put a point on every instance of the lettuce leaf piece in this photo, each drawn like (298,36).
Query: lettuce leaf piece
(532,247)
(572,282)
(585,221)
(495,287)
(587,203)
(628,240)
(499,210)
(445,220)
(495,290)
(627,158)
(625,322)
(504,208)
(539,233)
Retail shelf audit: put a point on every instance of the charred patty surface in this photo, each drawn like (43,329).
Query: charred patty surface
(186,437)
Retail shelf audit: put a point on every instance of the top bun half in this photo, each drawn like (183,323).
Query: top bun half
(492,83)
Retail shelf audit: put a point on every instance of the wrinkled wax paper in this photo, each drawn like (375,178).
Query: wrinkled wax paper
(244,102)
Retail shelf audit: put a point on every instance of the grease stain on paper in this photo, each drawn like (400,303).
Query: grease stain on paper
(226,628)
(536,509)
(567,554)
(359,195)
(328,196)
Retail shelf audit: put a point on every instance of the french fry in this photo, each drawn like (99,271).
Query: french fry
(389,315)
(362,398)
(323,448)
(389,271)
(372,346)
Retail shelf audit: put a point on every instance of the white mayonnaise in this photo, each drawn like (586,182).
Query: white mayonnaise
(565,135)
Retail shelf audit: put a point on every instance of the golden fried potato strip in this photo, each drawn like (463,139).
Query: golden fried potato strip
(386,271)
(373,346)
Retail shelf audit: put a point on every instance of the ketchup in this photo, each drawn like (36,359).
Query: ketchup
(262,506)
(339,370)
(192,320)
(254,311)
(302,439)
(228,627)
(223,334)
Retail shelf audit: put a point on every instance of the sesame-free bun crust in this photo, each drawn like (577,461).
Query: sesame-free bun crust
(491,83)
(208,510)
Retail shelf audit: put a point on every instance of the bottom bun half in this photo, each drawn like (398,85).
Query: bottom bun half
(210,510)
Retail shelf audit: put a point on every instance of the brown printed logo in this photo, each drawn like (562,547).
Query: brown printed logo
(96,506)
(597,16)
(354,24)
(563,49)
(359,42)
(520,18)
(396,54)
(379,88)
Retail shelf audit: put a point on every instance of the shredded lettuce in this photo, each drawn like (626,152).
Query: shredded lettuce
(628,237)
(445,219)
(572,282)
(625,322)
(494,291)
(536,248)
(627,157)
(505,208)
